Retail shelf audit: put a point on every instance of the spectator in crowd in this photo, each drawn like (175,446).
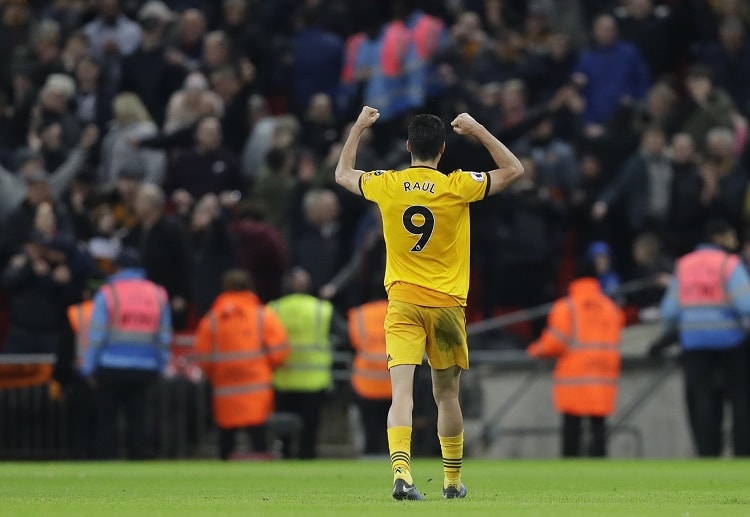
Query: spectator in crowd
(600,255)
(112,32)
(643,186)
(207,168)
(128,350)
(105,244)
(131,122)
(651,265)
(93,97)
(532,220)
(41,284)
(122,197)
(551,71)
(46,45)
(53,106)
(187,50)
(238,325)
(215,250)
(13,186)
(246,35)
(729,60)
(234,88)
(317,248)
(611,72)
(302,382)
(687,205)
(262,250)
(361,279)
(704,108)
(193,101)
(556,159)
(19,224)
(725,177)
(262,124)
(77,47)
(505,61)
(217,51)
(275,185)
(317,55)
(319,127)
(147,72)
(166,252)
(651,29)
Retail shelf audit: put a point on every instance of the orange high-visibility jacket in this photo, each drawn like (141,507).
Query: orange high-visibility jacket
(79,316)
(583,332)
(240,342)
(370,377)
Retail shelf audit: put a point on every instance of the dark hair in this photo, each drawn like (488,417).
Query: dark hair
(585,268)
(234,280)
(128,258)
(716,228)
(699,71)
(426,135)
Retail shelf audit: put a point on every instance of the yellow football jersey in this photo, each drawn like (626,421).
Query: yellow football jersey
(426,228)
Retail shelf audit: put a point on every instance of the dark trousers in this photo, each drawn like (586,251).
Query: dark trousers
(711,378)
(374,421)
(572,431)
(123,390)
(228,440)
(83,421)
(307,406)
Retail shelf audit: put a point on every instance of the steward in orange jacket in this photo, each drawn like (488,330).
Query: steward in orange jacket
(240,342)
(370,378)
(583,332)
(79,316)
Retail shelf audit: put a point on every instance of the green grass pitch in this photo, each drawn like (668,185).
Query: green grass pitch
(362,488)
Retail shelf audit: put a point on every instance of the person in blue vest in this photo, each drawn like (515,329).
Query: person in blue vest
(128,350)
(705,306)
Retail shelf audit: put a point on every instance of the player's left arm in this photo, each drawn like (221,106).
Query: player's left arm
(346,175)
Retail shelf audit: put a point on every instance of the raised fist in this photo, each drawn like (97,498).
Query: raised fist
(367,117)
(464,124)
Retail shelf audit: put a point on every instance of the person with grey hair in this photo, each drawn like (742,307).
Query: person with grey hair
(166,250)
(724,176)
(316,245)
(53,106)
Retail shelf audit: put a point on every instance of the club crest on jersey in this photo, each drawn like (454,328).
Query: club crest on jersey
(425,186)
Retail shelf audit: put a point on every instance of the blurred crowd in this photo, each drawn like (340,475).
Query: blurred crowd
(205,135)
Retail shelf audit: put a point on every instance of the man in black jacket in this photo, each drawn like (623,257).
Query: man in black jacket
(166,251)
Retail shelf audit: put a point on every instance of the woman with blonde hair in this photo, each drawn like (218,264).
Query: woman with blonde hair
(194,101)
(131,122)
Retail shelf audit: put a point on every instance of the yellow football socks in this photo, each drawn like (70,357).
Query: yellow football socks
(452,448)
(399,444)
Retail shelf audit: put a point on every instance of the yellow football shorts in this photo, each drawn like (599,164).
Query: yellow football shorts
(411,330)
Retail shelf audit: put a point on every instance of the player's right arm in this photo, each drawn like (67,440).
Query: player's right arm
(346,175)
(509,168)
